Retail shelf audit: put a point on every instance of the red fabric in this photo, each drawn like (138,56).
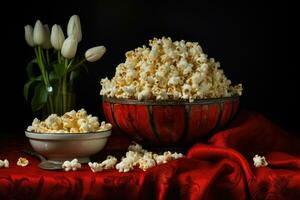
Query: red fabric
(222,168)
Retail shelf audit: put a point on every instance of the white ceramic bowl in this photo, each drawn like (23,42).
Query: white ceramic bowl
(67,146)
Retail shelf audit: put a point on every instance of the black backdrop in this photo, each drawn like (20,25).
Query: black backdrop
(249,39)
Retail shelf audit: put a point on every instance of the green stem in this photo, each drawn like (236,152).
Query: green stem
(58,56)
(77,65)
(69,65)
(42,66)
(59,98)
(64,85)
(41,59)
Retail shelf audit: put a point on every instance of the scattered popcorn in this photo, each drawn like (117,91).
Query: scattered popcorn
(260,161)
(164,158)
(109,163)
(71,165)
(136,148)
(146,161)
(70,122)
(169,70)
(177,155)
(137,156)
(4,163)
(23,162)
(125,165)
(95,167)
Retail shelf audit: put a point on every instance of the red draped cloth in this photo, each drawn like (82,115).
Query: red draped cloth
(220,168)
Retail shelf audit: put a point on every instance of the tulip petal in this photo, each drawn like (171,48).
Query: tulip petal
(39,33)
(69,47)
(57,37)
(29,35)
(74,27)
(95,53)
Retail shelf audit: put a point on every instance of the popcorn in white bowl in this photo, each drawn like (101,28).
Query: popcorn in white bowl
(70,122)
(169,70)
(61,138)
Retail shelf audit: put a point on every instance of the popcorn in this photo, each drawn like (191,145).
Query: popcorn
(169,70)
(4,163)
(136,148)
(23,162)
(137,156)
(125,165)
(161,159)
(70,122)
(71,165)
(177,155)
(109,163)
(95,167)
(259,161)
(146,162)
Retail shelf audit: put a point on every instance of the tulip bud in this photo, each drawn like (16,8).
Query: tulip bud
(57,37)
(69,47)
(95,53)
(39,33)
(74,28)
(47,43)
(29,35)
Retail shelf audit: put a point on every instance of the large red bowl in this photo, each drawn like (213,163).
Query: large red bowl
(169,123)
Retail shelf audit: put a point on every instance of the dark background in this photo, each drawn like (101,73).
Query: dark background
(250,39)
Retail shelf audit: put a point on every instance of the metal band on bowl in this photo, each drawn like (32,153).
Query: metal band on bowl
(168,102)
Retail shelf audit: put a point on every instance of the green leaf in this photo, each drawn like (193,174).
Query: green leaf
(38,78)
(59,69)
(40,97)
(29,68)
(53,76)
(74,74)
(26,89)
(29,84)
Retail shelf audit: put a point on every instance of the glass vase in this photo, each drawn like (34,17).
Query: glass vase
(59,102)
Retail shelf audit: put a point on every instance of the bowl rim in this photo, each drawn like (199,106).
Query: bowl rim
(68,136)
(169,102)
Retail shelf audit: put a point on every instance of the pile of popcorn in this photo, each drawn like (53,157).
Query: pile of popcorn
(70,122)
(169,70)
(135,156)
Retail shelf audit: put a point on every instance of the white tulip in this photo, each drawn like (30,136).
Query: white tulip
(69,47)
(39,33)
(29,35)
(57,37)
(74,28)
(47,43)
(95,53)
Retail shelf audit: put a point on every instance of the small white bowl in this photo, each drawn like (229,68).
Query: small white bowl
(67,146)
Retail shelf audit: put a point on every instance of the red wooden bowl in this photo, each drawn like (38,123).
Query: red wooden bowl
(169,123)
